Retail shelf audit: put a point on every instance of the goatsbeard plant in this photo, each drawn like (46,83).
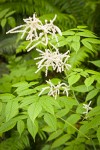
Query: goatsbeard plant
(35,31)
(48,94)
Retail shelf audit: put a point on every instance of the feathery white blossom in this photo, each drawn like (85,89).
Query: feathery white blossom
(87,108)
(56,60)
(54,90)
(34,30)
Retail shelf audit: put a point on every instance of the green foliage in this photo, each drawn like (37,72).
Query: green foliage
(16,142)
(63,122)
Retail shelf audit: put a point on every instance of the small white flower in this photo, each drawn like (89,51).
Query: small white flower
(54,90)
(87,108)
(56,60)
(36,32)
(30,28)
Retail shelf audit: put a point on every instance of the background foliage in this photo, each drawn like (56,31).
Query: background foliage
(43,122)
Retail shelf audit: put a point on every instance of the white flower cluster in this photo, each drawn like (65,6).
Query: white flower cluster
(56,60)
(87,108)
(34,30)
(38,33)
(54,90)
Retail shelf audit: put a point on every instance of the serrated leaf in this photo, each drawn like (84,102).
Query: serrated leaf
(86,33)
(26,92)
(51,121)
(73,119)
(60,141)
(20,126)
(92,40)
(69,39)
(32,127)
(75,46)
(11,109)
(98,134)
(6,96)
(76,38)
(62,112)
(88,81)
(51,101)
(82,88)
(73,79)
(34,110)
(28,100)
(55,134)
(87,44)
(7,126)
(47,106)
(68,32)
(20,84)
(92,94)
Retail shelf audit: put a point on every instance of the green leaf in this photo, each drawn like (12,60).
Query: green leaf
(92,94)
(11,22)
(51,121)
(6,96)
(3,12)
(11,109)
(87,44)
(55,80)
(61,141)
(10,13)
(68,32)
(89,125)
(3,22)
(26,92)
(73,119)
(62,112)
(76,38)
(86,33)
(75,46)
(47,106)
(96,63)
(73,79)
(95,111)
(80,109)
(69,39)
(82,88)
(89,81)
(34,110)
(7,126)
(98,134)
(32,127)
(92,40)
(28,100)
(55,134)
(21,84)
(20,126)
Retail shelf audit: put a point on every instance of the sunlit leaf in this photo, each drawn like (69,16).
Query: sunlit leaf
(20,126)
(34,110)
(51,121)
